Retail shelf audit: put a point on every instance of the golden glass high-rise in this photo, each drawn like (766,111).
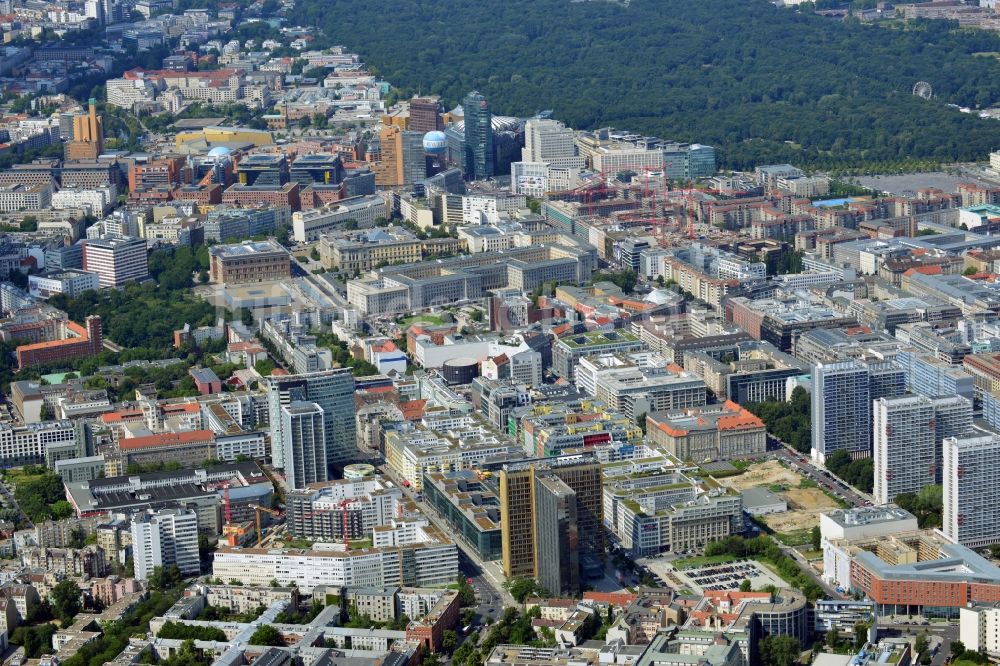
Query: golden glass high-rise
(520,506)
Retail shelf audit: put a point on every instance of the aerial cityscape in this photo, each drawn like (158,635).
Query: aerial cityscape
(552,333)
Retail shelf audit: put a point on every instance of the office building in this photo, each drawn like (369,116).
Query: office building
(521,516)
(842,395)
(405,552)
(116,260)
(470,506)
(552,143)
(662,509)
(164,538)
(908,431)
(402,160)
(310,225)
(634,390)
(568,350)
(248,262)
(714,432)
(263,170)
(70,282)
(479,155)
(411,453)
(35,443)
(425,115)
(333,392)
(200,489)
(971,513)
(557,542)
(303,438)
(88,135)
(317,168)
(17,197)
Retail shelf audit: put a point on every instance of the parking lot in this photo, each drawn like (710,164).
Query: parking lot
(728,576)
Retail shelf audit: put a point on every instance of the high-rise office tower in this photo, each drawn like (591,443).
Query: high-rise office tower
(529,509)
(303,439)
(333,391)
(165,537)
(842,398)
(425,115)
(971,513)
(480,158)
(88,135)
(557,542)
(95,10)
(402,160)
(551,142)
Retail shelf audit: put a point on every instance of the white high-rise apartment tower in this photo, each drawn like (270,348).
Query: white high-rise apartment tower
(971,514)
(165,537)
(907,436)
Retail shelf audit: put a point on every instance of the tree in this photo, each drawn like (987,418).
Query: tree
(65,600)
(746,585)
(816,537)
(164,578)
(205,545)
(266,635)
(640,421)
(860,634)
(921,644)
(780,650)
(466,593)
(832,637)
(957,649)
(521,588)
(449,639)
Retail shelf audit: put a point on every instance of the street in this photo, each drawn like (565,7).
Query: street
(487,577)
(800,463)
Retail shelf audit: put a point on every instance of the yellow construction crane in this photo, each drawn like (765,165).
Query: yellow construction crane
(257,510)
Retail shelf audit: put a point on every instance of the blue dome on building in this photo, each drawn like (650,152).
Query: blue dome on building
(435,143)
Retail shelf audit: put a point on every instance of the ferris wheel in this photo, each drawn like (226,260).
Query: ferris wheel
(923,89)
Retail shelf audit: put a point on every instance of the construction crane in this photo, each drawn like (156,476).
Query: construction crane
(257,509)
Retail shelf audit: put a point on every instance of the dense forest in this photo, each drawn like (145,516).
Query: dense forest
(763,83)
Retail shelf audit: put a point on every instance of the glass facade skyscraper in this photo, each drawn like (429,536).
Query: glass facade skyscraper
(333,392)
(480,160)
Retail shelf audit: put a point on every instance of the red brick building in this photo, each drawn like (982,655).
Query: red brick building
(256,195)
(430,629)
(939,584)
(74,341)
(202,194)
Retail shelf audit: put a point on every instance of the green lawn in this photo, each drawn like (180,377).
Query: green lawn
(423,319)
(796,538)
(703,560)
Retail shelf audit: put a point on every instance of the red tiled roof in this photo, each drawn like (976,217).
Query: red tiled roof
(166,439)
